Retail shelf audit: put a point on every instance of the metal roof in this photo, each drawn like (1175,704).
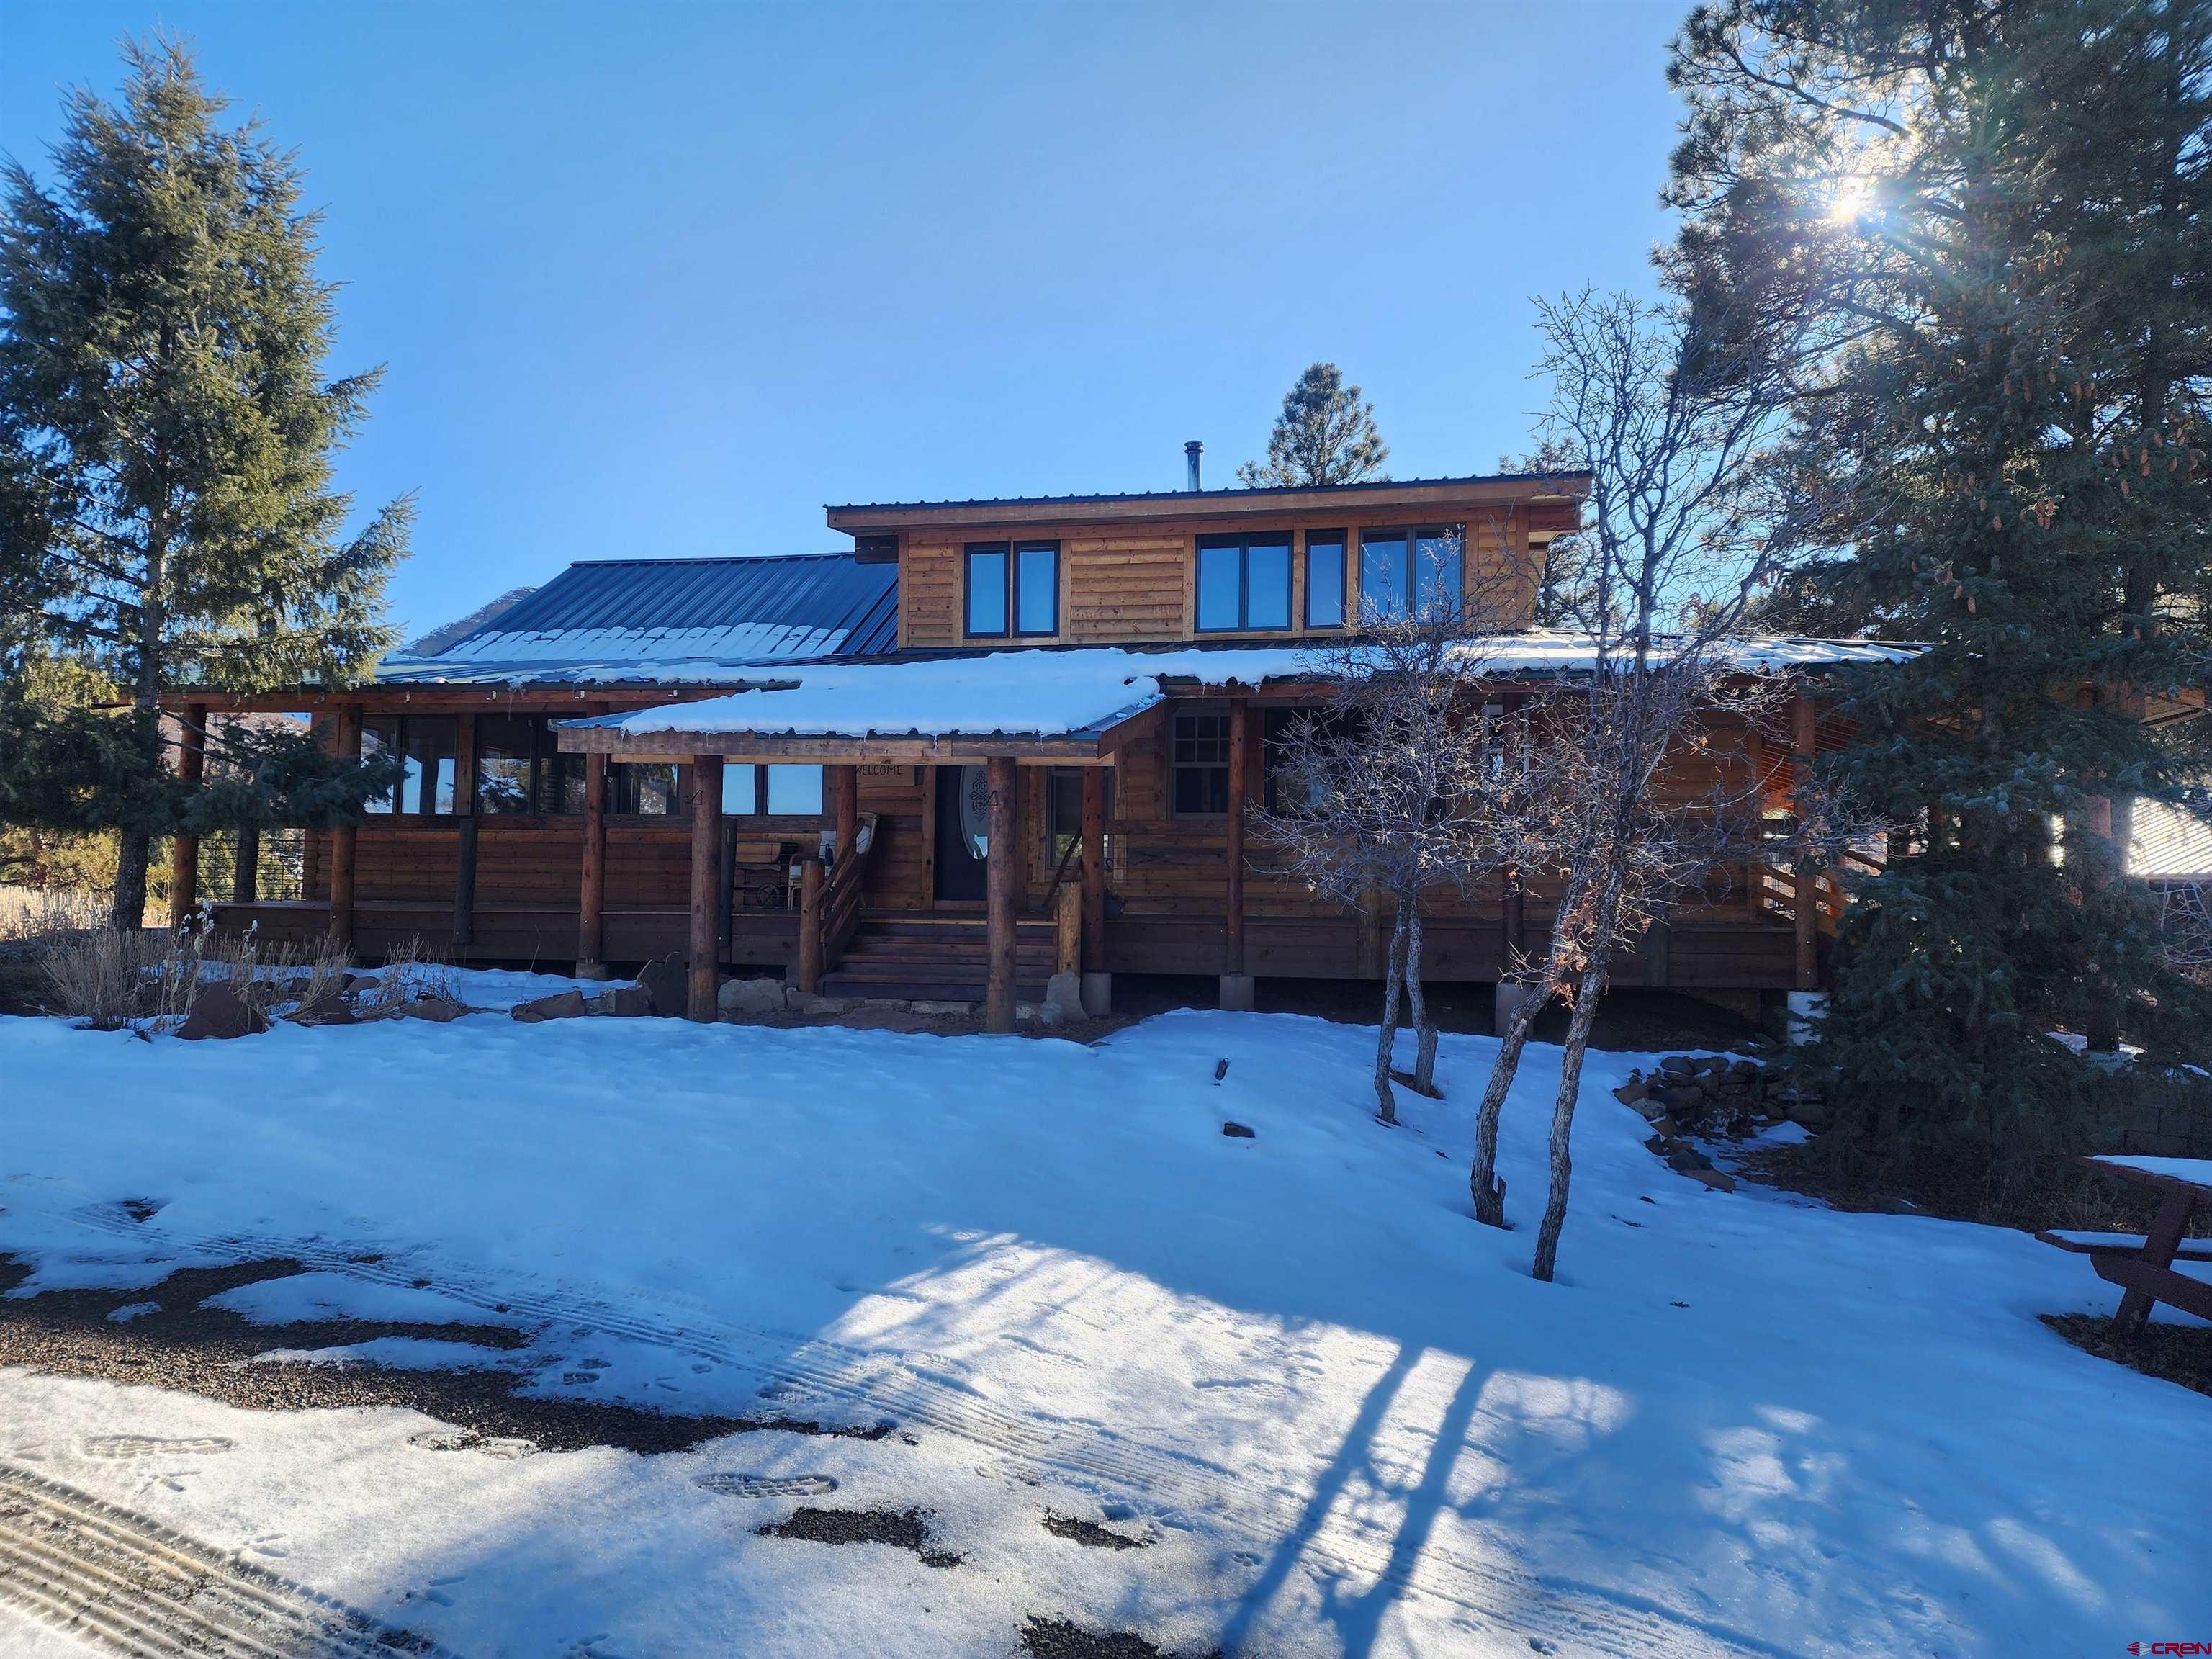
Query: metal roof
(2169,844)
(1237,493)
(642,613)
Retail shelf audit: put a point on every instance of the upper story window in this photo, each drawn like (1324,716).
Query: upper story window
(774,792)
(428,746)
(1198,764)
(1419,568)
(1013,588)
(520,768)
(1243,582)
(1324,578)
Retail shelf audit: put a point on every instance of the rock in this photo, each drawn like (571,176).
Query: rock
(1712,1065)
(1237,1132)
(621,1002)
(562,1005)
(1652,1110)
(440,1010)
(1747,1070)
(1665,1127)
(1809,1111)
(944,1010)
(1052,1013)
(1713,1178)
(353,982)
(330,1008)
(749,998)
(220,1011)
(1685,1158)
(667,987)
(1632,1092)
(805,1002)
(1679,1066)
(1065,993)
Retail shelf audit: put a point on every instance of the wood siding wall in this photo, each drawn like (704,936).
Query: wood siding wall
(1134,583)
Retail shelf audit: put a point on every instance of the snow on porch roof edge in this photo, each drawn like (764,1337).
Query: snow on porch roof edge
(1087,691)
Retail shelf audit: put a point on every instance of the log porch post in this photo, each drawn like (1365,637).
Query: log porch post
(1001,857)
(592,897)
(1236,989)
(1807,895)
(849,809)
(706,866)
(1097,983)
(184,849)
(343,838)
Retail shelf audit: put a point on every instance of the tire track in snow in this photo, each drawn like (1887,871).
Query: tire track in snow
(930,1392)
(125,1583)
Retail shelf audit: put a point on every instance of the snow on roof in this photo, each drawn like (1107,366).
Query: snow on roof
(1055,693)
(2168,843)
(672,621)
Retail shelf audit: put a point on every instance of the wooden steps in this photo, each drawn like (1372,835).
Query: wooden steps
(901,957)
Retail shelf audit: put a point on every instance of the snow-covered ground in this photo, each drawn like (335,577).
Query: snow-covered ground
(1346,1419)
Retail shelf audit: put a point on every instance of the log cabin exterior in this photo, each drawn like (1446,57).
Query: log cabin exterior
(997,740)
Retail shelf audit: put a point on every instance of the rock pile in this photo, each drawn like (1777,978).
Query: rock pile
(1714,1097)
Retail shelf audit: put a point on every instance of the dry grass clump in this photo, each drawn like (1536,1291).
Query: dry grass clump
(110,976)
(34,913)
(412,970)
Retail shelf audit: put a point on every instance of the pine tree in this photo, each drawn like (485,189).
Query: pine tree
(2005,427)
(1325,436)
(166,441)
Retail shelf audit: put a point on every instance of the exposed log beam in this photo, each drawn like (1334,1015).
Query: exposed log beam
(1094,871)
(1232,955)
(343,837)
(592,897)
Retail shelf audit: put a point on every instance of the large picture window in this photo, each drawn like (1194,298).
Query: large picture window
(520,768)
(1198,764)
(1416,572)
(1243,583)
(1013,589)
(427,748)
(1324,578)
(779,792)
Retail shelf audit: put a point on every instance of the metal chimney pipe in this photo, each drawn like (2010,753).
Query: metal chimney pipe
(1192,451)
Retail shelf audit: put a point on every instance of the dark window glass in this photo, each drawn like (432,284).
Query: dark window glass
(1267,584)
(644,788)
(380,736)
(560,780)
(1064,817)
(1199,763)
(986,589)
(429,746)
(1037,588)
(504,747)
(1220,584)
(794,792)
(1436,581)
(1382,575)
(1325,579)
(1243,582)
(1279,731)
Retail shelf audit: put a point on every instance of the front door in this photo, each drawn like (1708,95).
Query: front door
(963,814)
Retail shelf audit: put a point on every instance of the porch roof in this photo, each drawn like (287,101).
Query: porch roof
(1051,703)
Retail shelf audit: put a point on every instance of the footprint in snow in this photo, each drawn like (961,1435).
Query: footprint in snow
(149,1445)
(491,1445)
(767,1486)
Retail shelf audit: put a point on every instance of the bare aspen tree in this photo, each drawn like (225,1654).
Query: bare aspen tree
(1683,526)
(1390,790)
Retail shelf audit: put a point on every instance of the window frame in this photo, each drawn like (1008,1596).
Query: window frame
(542,766)
(1009,552)
(1243,542)
(1177,767)
(395,801)
(759,814)
(1411,536)
(1341,540)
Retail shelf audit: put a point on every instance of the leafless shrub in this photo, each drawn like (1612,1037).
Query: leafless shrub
(2186,927)
(1393,790)
(111,976)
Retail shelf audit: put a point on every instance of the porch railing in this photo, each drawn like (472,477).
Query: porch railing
(830,910)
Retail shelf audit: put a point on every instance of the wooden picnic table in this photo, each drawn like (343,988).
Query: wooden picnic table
(2143,1267)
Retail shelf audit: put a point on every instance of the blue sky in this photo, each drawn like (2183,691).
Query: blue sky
(662,280)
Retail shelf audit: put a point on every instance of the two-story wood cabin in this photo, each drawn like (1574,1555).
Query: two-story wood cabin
(997,739)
